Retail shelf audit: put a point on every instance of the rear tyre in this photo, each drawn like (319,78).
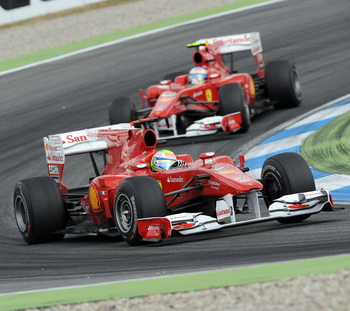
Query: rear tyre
(39,210)
(121,110)
(286,173)
(282,84)
(232,99)
(137,197)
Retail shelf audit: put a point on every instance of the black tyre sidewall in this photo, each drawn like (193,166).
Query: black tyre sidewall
(280,76)
(232,99)
(44,209)
(121,110)
(147,200)
(290,171)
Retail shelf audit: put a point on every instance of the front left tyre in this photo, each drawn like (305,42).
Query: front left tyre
(39,210)
(137,197)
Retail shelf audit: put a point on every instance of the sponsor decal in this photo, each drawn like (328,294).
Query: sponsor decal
(298,206)
(227,172)
(53,170)
(74,139)
(183,226)
(153,227)
(242,179)
(234,39)
(94,199)
(55,158)
(252,87)
(214,184)
(223,212)
(209,95)
(196,94)
(175,179)
(168,94)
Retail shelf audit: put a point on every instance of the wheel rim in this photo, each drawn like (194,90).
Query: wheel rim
(124,213)
(296,85)
(21,214)
(274,189)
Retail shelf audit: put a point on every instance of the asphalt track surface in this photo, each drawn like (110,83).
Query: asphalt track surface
(73,93)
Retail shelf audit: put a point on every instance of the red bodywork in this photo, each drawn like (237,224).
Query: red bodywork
(129,154)
(175,98)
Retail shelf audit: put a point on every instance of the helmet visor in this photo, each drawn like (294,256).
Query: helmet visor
(197,78)
(163,164)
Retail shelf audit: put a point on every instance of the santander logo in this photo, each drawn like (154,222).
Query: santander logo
(70,139)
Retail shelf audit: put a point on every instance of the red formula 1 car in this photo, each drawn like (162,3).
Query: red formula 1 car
(214,96)
(132,199)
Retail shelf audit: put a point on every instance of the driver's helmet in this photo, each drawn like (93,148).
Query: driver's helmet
(163,160)
(198,75)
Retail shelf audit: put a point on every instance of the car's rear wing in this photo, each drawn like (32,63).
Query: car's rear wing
(83,141)
(237,43)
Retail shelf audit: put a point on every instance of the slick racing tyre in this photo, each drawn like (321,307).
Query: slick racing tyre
(282,84)
(137,197)
(121,110)
(39,210)
(286,173)
(232,99)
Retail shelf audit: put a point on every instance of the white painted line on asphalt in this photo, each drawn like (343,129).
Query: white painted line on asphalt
(282,144)
(138,36)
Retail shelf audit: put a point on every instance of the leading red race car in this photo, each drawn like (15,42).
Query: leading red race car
(214,96)
(148,194)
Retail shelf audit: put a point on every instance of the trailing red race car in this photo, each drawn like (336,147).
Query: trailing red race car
(145,194)
(214,96)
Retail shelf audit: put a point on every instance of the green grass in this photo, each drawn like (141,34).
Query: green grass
(76,46)
(174,284)
(328,149)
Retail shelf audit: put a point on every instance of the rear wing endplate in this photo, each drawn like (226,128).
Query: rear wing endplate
(84,141)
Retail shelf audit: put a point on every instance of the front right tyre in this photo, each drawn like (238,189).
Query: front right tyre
(283,174)
(137,197)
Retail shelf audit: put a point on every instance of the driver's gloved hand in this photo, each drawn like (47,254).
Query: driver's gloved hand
(178,164)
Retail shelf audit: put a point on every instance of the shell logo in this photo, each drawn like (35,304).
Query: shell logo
(94,201)
(252,87)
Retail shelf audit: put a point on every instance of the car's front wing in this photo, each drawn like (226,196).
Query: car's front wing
(206,126)
(308,203)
